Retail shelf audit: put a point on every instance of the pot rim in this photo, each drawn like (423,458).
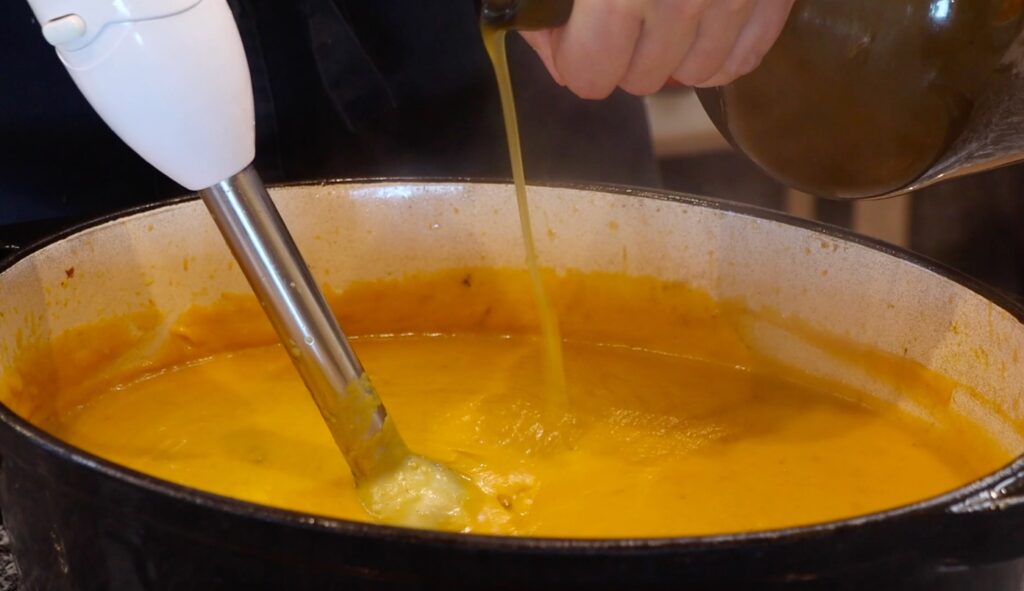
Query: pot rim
(942,503)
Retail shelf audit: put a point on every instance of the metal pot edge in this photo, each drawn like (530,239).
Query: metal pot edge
(934,506)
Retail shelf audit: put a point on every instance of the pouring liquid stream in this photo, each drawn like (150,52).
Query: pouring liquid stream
(556,399)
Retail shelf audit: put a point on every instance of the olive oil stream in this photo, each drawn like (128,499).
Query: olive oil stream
(557,399)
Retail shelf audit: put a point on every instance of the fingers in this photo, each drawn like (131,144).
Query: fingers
(593,51)
(762,29)
(669,29)
(720,27)
(640,44)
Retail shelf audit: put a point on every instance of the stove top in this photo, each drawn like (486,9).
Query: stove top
(8,569)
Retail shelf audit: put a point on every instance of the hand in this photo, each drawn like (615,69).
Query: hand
(639,45)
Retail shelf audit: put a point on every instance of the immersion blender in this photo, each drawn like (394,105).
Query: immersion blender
(171,79)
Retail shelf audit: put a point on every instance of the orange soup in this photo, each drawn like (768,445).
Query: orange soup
(676,425)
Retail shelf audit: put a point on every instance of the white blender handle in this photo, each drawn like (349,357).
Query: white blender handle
(168,76)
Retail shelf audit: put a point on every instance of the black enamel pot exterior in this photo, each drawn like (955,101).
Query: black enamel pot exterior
(79,522)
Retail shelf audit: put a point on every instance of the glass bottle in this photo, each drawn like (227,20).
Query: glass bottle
(863,98)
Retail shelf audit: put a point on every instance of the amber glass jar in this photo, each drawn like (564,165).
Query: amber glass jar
(860,97)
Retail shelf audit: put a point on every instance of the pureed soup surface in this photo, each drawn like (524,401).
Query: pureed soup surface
(676,426)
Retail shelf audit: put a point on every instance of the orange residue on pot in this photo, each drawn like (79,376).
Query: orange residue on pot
(680,424)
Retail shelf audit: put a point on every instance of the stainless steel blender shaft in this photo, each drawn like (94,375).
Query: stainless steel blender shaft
(270,260)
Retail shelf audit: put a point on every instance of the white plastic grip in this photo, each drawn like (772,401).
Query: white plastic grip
(175,88)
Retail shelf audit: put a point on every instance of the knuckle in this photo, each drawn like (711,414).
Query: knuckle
(641,86)
(697,68)
(691,76)
(733,69)
(588,88)
(690,9)
(736,5)
(686,80)
(750,65)
(625,8)
(751,60)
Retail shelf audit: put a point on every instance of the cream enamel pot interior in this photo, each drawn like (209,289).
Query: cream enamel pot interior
(79,522)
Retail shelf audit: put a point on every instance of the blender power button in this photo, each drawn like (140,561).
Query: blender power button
(64,29)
